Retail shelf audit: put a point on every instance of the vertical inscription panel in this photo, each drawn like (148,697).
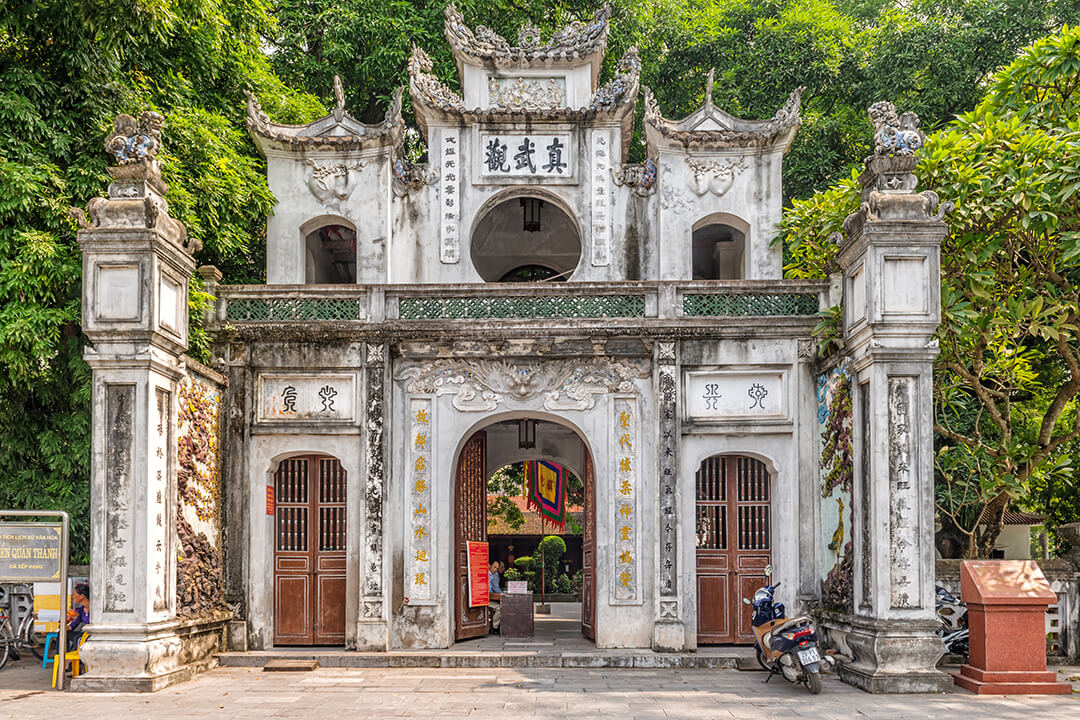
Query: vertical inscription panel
(449,212)
(119,497)
(627,544)
(420,521)
(159,498)
(600,156)
(905,591)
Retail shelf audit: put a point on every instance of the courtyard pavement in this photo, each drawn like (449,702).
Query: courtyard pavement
(507,694)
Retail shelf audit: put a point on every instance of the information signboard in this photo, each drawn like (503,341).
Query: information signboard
(478,574)
(30,552)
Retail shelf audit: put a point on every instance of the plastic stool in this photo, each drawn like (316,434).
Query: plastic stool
(46,656)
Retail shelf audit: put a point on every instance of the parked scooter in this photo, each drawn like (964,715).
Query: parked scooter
(785,646)
(952,614)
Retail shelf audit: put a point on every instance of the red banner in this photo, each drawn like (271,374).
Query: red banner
(478,573)
(269,499)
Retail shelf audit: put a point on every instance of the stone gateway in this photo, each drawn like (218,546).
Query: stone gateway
(523,294)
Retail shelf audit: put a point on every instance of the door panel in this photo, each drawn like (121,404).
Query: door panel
(588,555)
(309,552)
(470,523)
(734,529)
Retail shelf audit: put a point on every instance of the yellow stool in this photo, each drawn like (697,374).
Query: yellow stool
(73,656)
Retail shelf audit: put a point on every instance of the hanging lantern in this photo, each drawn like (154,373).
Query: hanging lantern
(526,434)
(530,210)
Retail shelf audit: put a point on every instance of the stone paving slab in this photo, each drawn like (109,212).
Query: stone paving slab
(510,693)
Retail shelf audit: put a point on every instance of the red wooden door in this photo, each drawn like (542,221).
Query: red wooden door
(309,552)
(470,523)
(733,544)
(588,556)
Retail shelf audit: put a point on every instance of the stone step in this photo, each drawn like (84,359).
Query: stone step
(290,665)
(599,659)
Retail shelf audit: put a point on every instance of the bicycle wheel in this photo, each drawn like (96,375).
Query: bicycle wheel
(4,649)
(33,643)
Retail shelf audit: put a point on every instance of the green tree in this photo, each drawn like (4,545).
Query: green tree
(66,69)
(1007,377)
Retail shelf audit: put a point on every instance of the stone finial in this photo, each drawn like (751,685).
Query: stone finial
(339,99)
(895,134)
(134,142)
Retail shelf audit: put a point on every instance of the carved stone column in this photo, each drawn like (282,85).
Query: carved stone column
(371,633)
(136,266)
(892,307)
(669,633)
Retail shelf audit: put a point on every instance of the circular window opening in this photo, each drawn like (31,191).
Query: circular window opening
(525,239)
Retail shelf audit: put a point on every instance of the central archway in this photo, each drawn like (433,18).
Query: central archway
(492,445)
(525,235)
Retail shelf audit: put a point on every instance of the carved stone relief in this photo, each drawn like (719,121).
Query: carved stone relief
(480,385)
(527,93)
(715,176)
(334,179)
(373,491)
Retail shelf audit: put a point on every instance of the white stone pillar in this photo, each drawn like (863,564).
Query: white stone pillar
(892,307)
(136,266)
(669,631)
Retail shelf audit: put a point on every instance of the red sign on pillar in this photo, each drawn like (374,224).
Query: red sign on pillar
(269,499)
(478,574)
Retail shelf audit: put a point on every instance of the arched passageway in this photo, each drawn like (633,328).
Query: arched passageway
(514,441)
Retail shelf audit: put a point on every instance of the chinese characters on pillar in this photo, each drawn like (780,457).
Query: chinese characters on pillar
(419,524)
(450,197)
(627,547)
(903,498)
(546,155)
(668,449)
(600,157)
(157,494)
(119,497)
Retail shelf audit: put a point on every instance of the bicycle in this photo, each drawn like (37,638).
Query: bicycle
(11,642)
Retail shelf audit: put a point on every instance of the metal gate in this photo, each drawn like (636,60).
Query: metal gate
(309,552)
(733,544)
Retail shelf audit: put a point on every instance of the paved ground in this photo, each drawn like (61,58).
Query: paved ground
(506,694)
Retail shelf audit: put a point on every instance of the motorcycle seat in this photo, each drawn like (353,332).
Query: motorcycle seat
(791,623)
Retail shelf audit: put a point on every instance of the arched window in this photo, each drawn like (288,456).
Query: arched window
(719,249)
(523,239)
(330,254)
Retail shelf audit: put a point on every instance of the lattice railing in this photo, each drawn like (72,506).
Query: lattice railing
(522,307)
(739,305)
(293,309)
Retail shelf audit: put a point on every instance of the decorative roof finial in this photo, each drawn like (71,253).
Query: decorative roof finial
(132,142)
(708,87)
(893,134)
(339,99)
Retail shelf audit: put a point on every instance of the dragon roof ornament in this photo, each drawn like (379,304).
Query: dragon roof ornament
(711,128)
(338,130)
(576,41)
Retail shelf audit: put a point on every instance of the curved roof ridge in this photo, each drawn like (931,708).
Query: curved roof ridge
(577,40)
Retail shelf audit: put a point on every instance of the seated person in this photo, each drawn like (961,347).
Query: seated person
(494,596)
(79,614)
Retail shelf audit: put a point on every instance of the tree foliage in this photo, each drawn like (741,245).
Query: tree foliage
(1007,377)
(66,69)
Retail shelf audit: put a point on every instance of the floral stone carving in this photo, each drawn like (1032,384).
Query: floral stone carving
(481,385)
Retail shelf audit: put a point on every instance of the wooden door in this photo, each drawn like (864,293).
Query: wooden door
(733,544)
(309,552)
(470,523)
(588,556)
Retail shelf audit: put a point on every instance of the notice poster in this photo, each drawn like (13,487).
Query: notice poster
(478,573)
(30,552)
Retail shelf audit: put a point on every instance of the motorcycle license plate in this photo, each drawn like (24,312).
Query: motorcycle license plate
(809,655)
